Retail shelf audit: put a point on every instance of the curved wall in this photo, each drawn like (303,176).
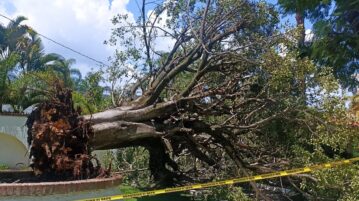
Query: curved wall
(15,126)
(13,153)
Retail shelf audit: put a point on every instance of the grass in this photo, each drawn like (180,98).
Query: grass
(3,167)
(164,197)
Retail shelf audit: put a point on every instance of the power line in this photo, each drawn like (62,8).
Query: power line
(71,49)
(62,45)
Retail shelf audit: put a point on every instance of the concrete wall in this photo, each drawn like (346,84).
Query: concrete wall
(13,153)
(14,126)
(13,150)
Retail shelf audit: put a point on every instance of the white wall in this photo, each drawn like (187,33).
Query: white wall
(14,126)
(13,141)
(13,153)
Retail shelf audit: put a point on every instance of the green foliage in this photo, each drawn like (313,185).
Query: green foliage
(83,102)
(336,35)
(171,196)
(7,63)
(329,140)
(315,131)
(306,80)
(133,161)
(26,72)
(310,8)
(3,167)
(30,88)
(129,189)
(228,193)
(338,183)
(89,94)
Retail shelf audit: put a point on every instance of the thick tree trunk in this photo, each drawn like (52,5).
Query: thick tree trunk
(120,134)
(127,127)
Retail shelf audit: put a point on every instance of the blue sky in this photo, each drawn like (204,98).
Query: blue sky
(80,24)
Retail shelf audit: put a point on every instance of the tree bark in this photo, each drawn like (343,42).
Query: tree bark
(300,24)
(118,134)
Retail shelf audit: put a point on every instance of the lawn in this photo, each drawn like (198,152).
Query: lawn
(164,197)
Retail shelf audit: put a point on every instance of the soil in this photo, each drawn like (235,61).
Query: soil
(18,176)
(58,137)
(21,180)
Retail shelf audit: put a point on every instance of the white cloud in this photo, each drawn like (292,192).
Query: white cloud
(80,24)
(84,68)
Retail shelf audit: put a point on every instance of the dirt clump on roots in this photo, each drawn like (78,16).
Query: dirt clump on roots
(59,140)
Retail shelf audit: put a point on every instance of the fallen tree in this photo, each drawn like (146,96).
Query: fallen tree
(168,122)
(223,94)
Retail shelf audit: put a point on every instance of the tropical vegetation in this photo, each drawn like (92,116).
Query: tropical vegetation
(27,71)
(237,93)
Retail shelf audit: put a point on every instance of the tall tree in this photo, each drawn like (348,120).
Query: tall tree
(303,9)
(23,60)
(10,35)
(337,44)
(335,34)
(33,57)
(68,74)
(7,64)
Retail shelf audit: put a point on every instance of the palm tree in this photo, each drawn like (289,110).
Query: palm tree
(33,57)
(10,34)
(32,85)
(9,37)
(22,52)
(7,63)
(70,76)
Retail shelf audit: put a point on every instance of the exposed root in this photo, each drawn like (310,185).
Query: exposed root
(58,137)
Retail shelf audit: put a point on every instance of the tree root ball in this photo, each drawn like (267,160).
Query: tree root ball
(59,140)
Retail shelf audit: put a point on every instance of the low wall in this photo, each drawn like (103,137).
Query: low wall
(50,188)
(14,125)
(13,153)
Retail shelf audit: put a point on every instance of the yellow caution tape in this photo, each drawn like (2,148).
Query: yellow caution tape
(227,182)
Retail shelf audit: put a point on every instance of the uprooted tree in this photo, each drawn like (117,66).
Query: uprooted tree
(59,139)
(227,92)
